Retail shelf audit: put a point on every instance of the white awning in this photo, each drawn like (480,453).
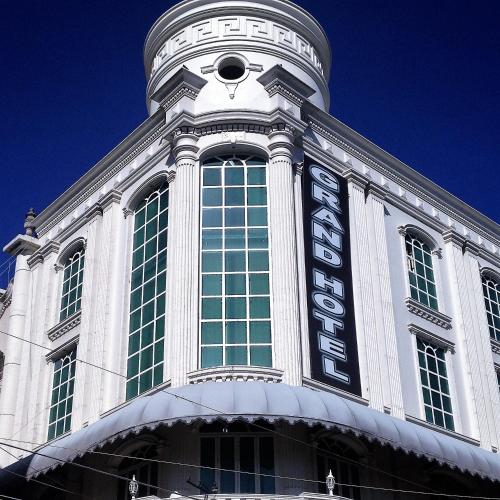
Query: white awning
(251,401)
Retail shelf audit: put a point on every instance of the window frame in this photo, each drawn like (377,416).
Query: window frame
(218,161)
(237,436)
(416,235)
(71,353)
(65,261)
(436,344)
(493,330)
(153,186)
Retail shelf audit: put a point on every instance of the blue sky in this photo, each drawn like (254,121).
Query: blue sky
(419,78)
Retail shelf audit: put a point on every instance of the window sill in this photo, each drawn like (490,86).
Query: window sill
(235,373)
(436,317)
(65,326)
(442,430)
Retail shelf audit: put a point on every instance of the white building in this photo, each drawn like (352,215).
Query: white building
(247,293)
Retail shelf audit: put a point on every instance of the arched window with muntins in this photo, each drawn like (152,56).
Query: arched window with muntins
(235,326)
(420,271)
(147,293)
(71,298)
(491,291)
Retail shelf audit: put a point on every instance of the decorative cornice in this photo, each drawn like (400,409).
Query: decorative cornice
(355,177)
(63,349)
(436,317)
(431,337)
(180,84)
(22,245)
(375,190)
(126,212)
(109,173)
(450,236)
(93,212)
(240,373)
(278,80)
(113,196)
(35,259)
(65,326)
(395,170)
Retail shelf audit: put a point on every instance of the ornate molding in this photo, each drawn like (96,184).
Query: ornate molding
(126,212)
(239,28)
(238,373)
(406,185)
(431,337)
(436,317)
(65,326)
(44,228)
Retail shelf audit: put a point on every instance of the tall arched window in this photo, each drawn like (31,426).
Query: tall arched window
(420,272)
(491,291)
(147,293)
(235,327)
(71,298)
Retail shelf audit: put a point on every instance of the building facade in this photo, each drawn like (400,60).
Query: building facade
(245,295)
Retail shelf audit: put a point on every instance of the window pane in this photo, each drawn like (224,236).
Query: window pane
(211,332)
(235,308)
(257,238)
(260,332)
(212,177)
(259,307)
(234,239)
(212,217)
(212,197)
(257,196)
(234,196)
(257,216)
(236,332)
(211,262)
(212,284)
(236,355)
(235,284)
(234,217)
(235,261)
(211,308)
(211,239)
(148,283)
(260,356)
(259,284)
(211,356)
(234,176)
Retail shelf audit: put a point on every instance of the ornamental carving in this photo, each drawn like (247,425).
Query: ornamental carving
(236,28)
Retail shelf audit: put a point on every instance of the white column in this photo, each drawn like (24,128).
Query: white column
(181,340)
(386,329)
(105,253)
(43,386)
(364,301)
(22,247)
(83,372)
(301,270)
(283,251)
(116,333)
(464,326)
(478,311)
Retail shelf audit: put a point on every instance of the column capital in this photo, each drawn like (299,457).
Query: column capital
(354,177)
(184,145)
(451,236)
(281,140)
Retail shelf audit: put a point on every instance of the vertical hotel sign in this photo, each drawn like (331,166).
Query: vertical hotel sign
(332,330)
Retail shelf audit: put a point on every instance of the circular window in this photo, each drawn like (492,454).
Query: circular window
(231,68)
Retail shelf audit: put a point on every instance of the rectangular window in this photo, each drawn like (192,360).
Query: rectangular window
(235,304)
(244,459)
(61,403)
(435,385)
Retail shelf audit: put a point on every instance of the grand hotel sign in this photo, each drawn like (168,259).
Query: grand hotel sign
(332,329)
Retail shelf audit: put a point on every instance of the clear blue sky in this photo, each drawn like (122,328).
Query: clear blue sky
(419,78)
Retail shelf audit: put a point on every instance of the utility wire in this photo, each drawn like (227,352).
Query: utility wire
(93,469)
(36,480)
(275,476)
(254,424)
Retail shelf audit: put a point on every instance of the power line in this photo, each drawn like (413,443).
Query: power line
(254,424)
(37,480)
(87,467)
(275,476)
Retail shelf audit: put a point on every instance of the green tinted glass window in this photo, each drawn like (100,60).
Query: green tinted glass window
(235,326)
(145,362)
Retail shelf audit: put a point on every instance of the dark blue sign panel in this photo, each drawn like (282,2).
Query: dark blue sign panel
(332,329)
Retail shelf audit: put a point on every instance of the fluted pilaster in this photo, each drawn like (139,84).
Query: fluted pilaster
(284,276)
(364,300)
(386,328)
(182,262)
